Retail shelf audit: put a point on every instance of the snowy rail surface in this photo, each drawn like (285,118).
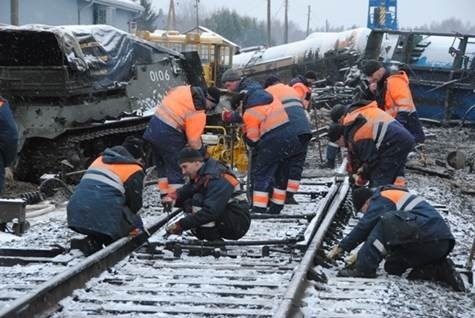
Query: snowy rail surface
(181,276)
(184,276)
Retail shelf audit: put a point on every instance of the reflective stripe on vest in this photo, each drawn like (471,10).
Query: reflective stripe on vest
(404,104)
(265,118)
(379,129)
(169,118)
(376,125)
(176,107)
(113,175)
(404,201)
(286,94)
(290,102)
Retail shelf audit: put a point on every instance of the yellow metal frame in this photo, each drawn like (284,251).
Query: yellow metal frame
(210,48)
(237,157)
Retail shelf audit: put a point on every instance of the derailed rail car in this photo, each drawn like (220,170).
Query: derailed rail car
(441,68)
(77,89)
(328,53)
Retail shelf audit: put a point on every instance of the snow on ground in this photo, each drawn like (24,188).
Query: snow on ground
(396,297)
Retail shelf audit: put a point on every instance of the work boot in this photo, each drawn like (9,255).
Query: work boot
(289,199)
(427,272)
(256,209)
(353,272)
(86,245)
(447,273)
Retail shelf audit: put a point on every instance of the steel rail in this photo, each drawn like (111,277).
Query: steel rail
(46,296)
(291,301)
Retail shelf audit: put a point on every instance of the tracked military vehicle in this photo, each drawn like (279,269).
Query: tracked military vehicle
(75,90)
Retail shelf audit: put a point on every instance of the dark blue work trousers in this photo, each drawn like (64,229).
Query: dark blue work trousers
(166,144)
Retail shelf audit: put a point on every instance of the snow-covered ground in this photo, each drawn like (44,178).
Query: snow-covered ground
(390,296)
(386,296)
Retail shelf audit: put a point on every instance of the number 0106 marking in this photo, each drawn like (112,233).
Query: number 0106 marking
(156,76)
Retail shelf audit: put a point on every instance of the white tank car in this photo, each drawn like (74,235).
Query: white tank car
(301,55)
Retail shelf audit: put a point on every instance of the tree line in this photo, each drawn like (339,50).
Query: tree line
(248,31)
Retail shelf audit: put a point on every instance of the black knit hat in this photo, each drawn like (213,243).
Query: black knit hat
(188,154)
(213,94)
(371,66)
(360,196)
(337,112)
(334,132)
(134,146)
(271,80)
(311,75)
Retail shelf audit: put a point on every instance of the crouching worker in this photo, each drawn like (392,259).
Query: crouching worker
(208,199)
(403,229)
(104,205)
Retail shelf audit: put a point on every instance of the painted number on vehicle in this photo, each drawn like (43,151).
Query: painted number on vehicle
(159,76)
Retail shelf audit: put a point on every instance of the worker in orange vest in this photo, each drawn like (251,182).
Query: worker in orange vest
(105,203)
(300,125)
(302,87)
(406,231)
(377,144)
(267,131)
(394,96)
(179,121)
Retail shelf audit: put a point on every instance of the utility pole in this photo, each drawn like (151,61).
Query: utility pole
(268,24)
(171,23)
(308,19)
(14,12)
(197,15)
(286,22)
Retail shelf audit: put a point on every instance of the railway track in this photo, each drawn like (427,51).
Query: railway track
(260,275)
(276,270)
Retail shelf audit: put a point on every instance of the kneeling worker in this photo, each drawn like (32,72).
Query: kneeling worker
(104,205)
(405,230)
(208,199)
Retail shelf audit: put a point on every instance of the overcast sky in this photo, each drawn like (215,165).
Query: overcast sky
(341,12)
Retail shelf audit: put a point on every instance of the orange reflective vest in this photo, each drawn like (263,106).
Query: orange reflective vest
(259,120)
(114,175)
(178,111)
(303,93)
(398,97)
(375,126)
(286,94)
(402,199)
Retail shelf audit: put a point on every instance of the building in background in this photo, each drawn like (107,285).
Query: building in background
(117,13)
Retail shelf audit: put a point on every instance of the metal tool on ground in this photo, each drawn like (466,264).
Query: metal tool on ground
(13,210)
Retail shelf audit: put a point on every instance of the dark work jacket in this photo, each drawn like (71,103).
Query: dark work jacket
(293,106)
(215,185)
(97,207)
(430,225)
(247,84)
(8,133)
(365,150)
